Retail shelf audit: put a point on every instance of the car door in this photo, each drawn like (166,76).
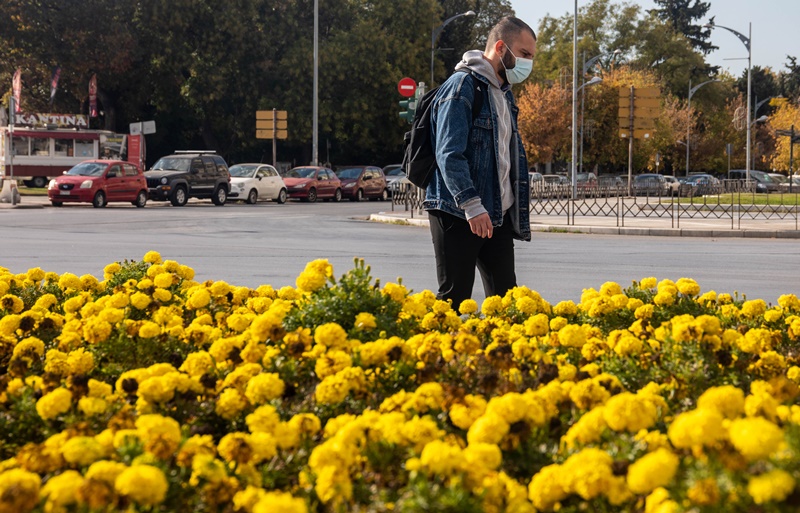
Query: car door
(115,183)
(324,183)
(209,175)
(272,182)
(132,182)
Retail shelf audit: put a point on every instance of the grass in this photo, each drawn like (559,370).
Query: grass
(30,191)
(746,199)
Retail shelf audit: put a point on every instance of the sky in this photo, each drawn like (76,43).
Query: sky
(774,35)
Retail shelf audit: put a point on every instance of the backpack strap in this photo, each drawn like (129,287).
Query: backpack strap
(477,93)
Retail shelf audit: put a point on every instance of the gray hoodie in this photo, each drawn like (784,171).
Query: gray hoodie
(474,61)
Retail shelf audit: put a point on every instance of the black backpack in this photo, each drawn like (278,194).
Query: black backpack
(419,155)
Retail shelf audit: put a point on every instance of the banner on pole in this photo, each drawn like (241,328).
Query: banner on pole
(54,83)
(93,96)
(16,90)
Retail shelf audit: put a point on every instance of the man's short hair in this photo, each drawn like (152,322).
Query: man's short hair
(507,30)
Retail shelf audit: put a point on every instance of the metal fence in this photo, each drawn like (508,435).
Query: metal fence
(726,200)
(733,200)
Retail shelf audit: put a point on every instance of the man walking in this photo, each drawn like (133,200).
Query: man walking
(477,201)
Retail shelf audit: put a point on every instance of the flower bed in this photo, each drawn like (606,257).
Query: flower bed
(148,391)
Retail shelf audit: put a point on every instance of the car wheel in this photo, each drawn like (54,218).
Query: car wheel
(252,197)
(39,182)
(312,195)
(282,197)
(179,197)
(337,196)
(57,203)
(220,196)
(141,200)
(99,200)
(384,195)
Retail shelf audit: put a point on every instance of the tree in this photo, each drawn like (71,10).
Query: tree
(786,115)
(680,15)
(790,79)
(544,122)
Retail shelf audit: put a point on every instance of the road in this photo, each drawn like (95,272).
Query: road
(270,244)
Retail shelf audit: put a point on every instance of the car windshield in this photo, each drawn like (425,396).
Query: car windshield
(584,177)
(301,172)
(349,172)
(394,172)
(172,164)
(87,169)
(242,171)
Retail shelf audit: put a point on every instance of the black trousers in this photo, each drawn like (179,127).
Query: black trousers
(458,251)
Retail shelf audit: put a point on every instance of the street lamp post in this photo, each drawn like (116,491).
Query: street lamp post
(747,41)
(591,82)
(315,104)
(587,65)
(692,90)
(438,30)
(762,119)
(575,103)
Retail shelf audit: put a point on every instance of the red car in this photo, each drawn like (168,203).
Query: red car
(308,183)
(359,182)
(99,182)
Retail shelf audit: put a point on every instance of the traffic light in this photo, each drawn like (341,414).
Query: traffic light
(411,106)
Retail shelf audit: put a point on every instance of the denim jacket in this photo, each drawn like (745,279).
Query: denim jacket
(466,155)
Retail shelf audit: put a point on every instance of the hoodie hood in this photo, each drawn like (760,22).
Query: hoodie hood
(474,61)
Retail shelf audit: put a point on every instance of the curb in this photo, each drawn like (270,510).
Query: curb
(618,230)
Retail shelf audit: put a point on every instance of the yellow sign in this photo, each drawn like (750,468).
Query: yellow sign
(270,134)
(650,103)
(267,124)
(267,114)
(625,112)
(648,123)
(646,92)
(637,133)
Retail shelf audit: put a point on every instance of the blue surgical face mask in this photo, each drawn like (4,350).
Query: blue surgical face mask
(520,71)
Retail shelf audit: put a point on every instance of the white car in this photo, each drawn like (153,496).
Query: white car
(395,177)
(254,182)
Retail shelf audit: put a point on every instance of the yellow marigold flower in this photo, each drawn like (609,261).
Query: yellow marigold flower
(545,489)
(264,387)
(60,490)
(69,281)
(491,305)
(395,291)
(652,470)
(143,484)
(537,325)
(9,324)
(80,361)
(91,406)
(789,302)
(30,347)
(727,400)
(755,438)
(333,485)
(587,429)
(105,471)
(468,307)
(773,315)
(165,280)
(773,486)
(688,287)
(464,415)
(230,403)
(19,490)
(11,303)
(630,412)
(365,321)
(149,329)
(588,393)
(610,288)
(565,309)
(140,300)
(280,501)
(162,295)
(793,373)
(82,450)
(756,340)
(587,473)
(36,274)
(330,335)
(659,502)
(441,458)
(488,456)
(489,428)
(332,362)
(263,420)
(695,428)
(161,435)
(572,335)
(54,404)
(152,257)
(753,308)
(200,298)
(644,312)
(648,283)
(664,299)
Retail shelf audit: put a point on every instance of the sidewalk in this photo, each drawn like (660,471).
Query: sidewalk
(665,226)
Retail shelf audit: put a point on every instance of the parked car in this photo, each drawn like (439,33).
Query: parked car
(702,184)
(308,183)
(763,182)
(359,182)
(555,179)
(99,182)
(189,174)
(792,185)
(534,177)
(395,177)
(650,184)
(611,181)
(779,178)
(251,182)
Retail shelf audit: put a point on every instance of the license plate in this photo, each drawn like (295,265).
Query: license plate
(64,193)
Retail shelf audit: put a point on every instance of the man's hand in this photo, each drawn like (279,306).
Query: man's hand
(481,226)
